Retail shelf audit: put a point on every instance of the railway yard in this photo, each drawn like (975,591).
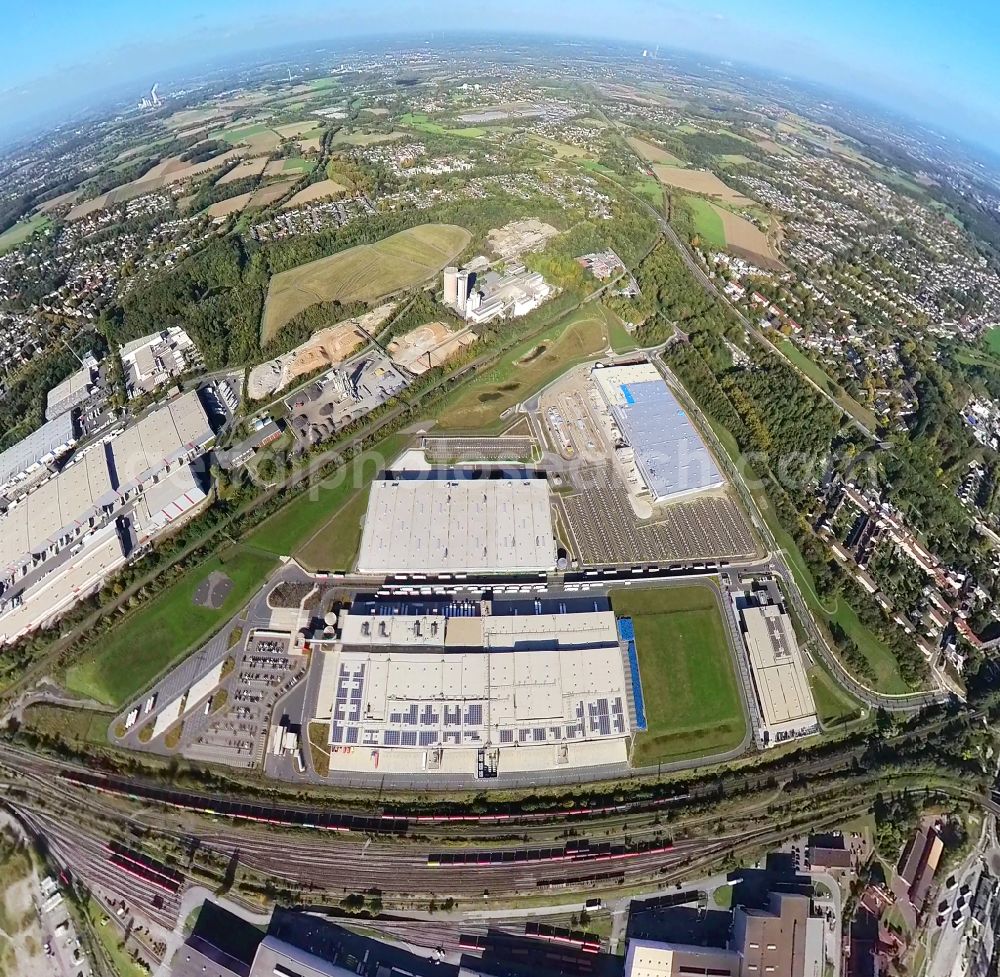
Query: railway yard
(149,843)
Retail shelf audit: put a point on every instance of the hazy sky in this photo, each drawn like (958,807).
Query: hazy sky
(938,61)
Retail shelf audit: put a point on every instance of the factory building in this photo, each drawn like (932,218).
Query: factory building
(73,391)
(451,286)
(50,524)
(458,520)
(458,685)
(781,940)
(493,295)
(779,677)
(655,436)
(153,360)
(26,462)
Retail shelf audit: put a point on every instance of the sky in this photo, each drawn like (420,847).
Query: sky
(935,61)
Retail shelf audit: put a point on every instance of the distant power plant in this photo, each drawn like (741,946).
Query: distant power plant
(152,100)
(492,296)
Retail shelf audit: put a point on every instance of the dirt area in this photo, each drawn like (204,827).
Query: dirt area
(310,145)
(428,346)
(249,167)
(651,153)
(231,205)
(519,236)
(698,181)
(747,239)
(317,191)
(275,168)
(213,590)
(292,129)
(267,195)
(325,348)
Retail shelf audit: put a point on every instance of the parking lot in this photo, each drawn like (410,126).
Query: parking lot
(606,531)
(235,732)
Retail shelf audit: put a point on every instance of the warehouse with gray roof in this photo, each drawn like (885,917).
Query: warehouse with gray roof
(665,447)
(65,508)
(28,459)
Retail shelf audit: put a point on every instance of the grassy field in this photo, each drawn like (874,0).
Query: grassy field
(22,230)
(707,222)
(293,526)
(296,164)
(620,338)
(419,121)
(363,273)
(652,190)
(78,727)
(583,334)
(991,339)
(693,705)
(833,705)
(335,544)
(115,667)
(820,377)
(234,136)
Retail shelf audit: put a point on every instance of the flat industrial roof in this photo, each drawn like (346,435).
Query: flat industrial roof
(429,699)
(669,453)
(36,448)
(536,679)
(72,391)
(101,554)
(779,675)
(460,523)
(62,504)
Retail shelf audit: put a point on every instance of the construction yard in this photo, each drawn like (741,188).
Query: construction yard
(325,348)
(428,346)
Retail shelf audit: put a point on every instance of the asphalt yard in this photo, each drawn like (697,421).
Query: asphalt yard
(235,733)
(606,532)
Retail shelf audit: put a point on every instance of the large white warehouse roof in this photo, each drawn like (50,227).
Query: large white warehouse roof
(458,521)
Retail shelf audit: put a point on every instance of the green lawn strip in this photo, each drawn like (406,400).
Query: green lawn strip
(833,706)
(417,120)
(294,525)
(620,338)
(693,706)
(233,136)
(521,371)
(882,660)
(335,545)
(111,939)
(707,222)
(651,189)
(22,230)
(296,164)
(78,727)
(118,665)
(826,383)
(991,338)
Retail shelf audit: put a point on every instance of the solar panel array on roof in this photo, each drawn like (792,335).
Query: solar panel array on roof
(668,450)
(37,448)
